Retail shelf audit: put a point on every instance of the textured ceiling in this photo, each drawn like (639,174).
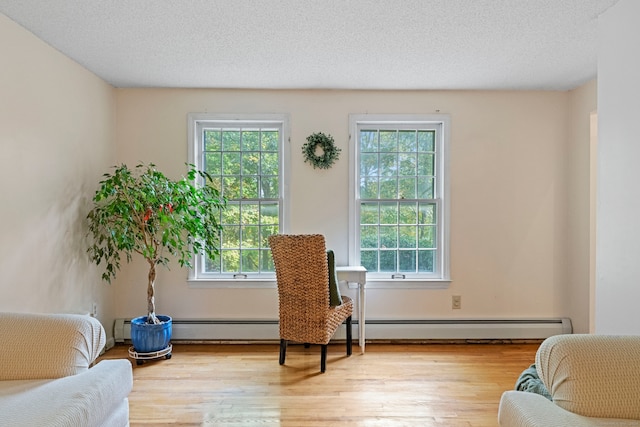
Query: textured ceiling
(336,44)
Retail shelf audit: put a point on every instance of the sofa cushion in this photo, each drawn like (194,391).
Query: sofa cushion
(592,375)
(41,346)
(86,399)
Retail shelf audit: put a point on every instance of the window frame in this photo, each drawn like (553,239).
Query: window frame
(441,278)
(196,121)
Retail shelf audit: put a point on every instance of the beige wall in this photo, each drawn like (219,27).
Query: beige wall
(583,102)
(56,132)
(510,188)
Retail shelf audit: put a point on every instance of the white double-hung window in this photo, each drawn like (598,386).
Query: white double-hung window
(245,157)
(399,204)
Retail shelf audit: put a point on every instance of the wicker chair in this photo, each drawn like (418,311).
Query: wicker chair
(302,273)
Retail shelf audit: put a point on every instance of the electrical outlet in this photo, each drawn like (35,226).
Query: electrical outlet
(94,309)
(456,302)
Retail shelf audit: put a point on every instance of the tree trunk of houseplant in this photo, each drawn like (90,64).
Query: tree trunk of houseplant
(151,288)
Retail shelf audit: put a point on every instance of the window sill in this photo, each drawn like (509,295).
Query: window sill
(231,283)
(271,284)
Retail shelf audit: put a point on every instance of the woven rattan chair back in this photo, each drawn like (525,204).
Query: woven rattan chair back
(302,275)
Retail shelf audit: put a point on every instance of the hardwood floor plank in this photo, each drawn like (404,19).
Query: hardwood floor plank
(457,385)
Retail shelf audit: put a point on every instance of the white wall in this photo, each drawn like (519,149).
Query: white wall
(56,133)
(618,206)
(509,188)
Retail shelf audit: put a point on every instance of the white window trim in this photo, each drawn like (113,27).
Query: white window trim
(194,156)
(443,281)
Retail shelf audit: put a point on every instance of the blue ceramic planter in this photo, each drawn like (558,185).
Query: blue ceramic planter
(147,338)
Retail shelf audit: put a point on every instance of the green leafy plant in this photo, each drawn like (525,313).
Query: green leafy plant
(141,211)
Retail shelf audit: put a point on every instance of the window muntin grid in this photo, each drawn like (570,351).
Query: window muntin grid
(398,194)
(244,161)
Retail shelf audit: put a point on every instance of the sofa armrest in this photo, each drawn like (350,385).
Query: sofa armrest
(592,375)
(97,397)
(111,382)
(523,409)
(41,346)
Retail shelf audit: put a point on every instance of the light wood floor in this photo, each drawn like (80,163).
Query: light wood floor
(390,385)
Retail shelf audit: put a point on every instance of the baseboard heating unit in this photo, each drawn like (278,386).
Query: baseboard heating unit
(375,330)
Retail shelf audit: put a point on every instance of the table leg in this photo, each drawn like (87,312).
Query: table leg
(361,319)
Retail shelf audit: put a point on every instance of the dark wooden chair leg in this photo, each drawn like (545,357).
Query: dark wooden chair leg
(349,336)
(283,350)
(323,358)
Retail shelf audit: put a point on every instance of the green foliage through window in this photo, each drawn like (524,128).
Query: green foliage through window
(397,199)
(245,160)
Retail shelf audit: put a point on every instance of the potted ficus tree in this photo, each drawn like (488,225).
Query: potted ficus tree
(139,211)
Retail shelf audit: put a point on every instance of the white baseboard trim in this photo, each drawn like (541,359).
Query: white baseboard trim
(376,330)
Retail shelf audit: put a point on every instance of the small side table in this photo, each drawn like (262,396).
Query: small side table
(356,274)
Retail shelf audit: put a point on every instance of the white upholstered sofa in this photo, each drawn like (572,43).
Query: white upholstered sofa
(47,377)
(594,380)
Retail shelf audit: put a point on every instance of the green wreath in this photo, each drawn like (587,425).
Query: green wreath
(330,152)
